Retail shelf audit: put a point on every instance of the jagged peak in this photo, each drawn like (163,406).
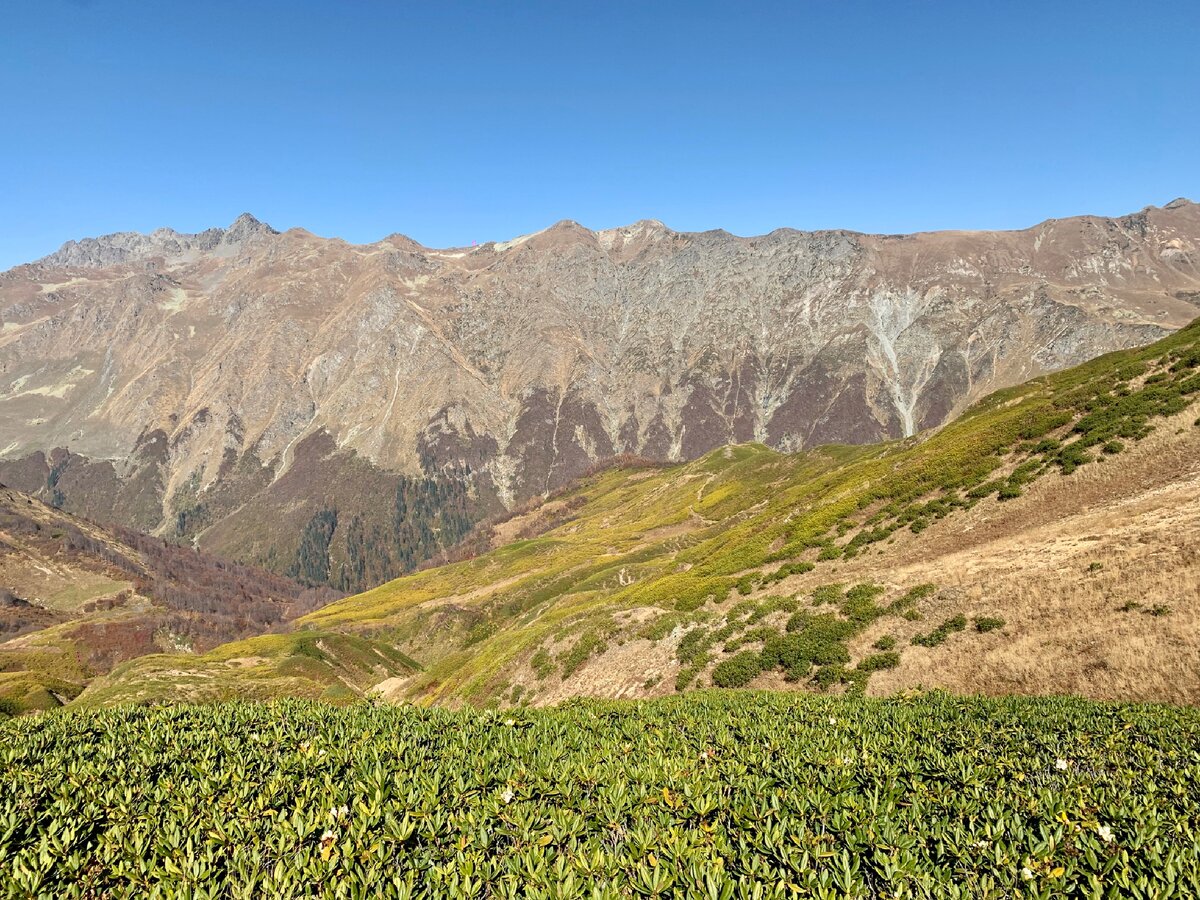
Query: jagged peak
(247,223)
(130,246)
(1179,203)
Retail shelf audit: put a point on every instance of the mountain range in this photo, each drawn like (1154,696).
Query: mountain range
(341,413)
(1041,543)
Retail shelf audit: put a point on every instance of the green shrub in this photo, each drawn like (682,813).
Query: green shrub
(541,663)
(685,677)
(827,676)
(246,800)
(911,597)
(1113,447)
(887,642)
(828,593)
(984,624)
(1009,491)
(588,643)
(859,603)
(738,670)
(787,569)
(768,605)
(810,640)
(754,635)
(942,632)
(694,646)
(877,661)
(1071,457)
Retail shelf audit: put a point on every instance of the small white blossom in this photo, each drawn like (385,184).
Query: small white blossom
(832,720)
(1061,764)
(1106,833)
(1027,873)
(508,795)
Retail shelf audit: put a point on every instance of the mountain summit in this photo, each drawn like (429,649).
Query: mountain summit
(257,392)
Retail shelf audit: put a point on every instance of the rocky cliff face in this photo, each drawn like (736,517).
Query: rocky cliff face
(230,386)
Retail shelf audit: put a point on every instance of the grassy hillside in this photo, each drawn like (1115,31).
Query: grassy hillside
(336,668)
(78,598)
(731,570)
(714,796)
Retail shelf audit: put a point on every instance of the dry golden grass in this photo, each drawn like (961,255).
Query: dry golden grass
(1061,565)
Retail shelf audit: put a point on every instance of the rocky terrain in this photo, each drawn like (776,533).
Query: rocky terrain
(341,412)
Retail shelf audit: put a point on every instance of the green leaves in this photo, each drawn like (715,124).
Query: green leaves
(714,795)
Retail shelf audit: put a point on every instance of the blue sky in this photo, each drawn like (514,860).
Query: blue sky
(453,122)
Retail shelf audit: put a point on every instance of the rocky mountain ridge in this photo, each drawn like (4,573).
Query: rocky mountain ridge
(232,386)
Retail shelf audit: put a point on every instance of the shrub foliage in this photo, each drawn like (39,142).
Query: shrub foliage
(711,795)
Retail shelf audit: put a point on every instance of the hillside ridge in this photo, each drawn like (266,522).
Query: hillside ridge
(979,556)
(255,392)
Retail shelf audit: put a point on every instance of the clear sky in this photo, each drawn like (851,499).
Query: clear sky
(453,122)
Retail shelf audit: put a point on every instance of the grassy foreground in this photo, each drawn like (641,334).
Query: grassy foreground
(710,795)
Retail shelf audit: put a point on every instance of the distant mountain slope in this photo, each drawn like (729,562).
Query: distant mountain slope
(77,598)
(1042,542)
(260,392)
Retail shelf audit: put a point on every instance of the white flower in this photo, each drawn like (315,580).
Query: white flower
(339,812)
(508,795)
(328,837)
(832,720)
(1061,764)
(1027,873)
(1106,833)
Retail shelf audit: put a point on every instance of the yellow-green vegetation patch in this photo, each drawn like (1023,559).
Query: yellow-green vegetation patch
(712,795)
(22,692)
(309,664)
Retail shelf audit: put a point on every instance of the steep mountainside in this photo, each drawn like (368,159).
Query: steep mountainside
(260,392)
(1043,542)
(77,598)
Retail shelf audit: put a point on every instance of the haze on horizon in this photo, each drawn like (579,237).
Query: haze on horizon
(476,122)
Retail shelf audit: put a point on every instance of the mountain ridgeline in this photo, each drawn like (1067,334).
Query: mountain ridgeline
(266,395)
(1040,543)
